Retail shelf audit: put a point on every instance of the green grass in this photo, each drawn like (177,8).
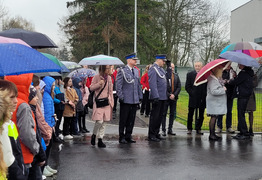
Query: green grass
(182,110)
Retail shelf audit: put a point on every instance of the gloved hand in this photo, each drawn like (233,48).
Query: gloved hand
(155,101)
(121,100)
(168,63)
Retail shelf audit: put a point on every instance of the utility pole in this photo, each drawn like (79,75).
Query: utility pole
(135,28)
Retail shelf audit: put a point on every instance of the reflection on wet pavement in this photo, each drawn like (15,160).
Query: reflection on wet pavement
(178,157)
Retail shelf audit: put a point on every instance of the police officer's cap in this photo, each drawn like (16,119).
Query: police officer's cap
(161,56)
(131,56)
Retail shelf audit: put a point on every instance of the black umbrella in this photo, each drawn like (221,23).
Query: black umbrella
(34,39)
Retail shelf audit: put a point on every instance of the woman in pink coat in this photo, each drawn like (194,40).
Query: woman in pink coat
(102,114)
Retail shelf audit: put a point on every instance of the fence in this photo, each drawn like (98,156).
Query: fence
(182,110)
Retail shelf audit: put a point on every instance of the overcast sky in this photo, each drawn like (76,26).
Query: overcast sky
(45,14)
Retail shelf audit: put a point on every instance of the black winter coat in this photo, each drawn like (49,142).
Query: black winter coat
(197,94)
(243,83)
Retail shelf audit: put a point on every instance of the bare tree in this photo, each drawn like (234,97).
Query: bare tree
(3,12)
(17,22)
(213,34)
(178,20)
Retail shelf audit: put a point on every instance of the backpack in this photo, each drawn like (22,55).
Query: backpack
(90,100)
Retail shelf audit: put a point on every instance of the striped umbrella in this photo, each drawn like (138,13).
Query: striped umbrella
(250,48)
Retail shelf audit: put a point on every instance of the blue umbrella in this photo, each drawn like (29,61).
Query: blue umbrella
(101,60)
(240,58)
(19,59)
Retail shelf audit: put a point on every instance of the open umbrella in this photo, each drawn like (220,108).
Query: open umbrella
(71,65)
(19,59)
(34,39)
(55,60)
(205,72)
(82,73)
(101,60)
(53,74)
(250,48)
(240,58)
(12,40)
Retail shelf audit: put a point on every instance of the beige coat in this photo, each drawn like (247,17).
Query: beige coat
(104,113)
(70,95)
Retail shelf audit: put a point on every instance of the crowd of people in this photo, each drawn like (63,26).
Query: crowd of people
(32,109)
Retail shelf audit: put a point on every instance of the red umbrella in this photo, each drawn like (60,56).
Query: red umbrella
(203,74)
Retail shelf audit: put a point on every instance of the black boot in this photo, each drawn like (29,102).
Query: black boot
(100,143)
(251,132)
(93,139)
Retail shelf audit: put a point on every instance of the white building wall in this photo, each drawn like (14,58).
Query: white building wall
(246,22)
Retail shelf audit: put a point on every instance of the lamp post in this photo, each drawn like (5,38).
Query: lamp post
(135,28)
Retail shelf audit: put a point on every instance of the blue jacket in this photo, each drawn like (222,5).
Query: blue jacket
(128,86)
(57,91)
(76,82)
(48,101)
(157,83)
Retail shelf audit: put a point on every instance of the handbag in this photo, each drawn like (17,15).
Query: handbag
(90,100)
(60,106)
(79,106)
(102,102)
(86,109)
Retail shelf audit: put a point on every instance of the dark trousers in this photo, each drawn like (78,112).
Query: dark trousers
(145,104)
(199,118)
(81,117)
(115,102)
(17,172)
(59,115)
(155,119)
(228,116)
(69,125)
(35,172)
(48,151)
(241,109)
(172,114)
(127,120)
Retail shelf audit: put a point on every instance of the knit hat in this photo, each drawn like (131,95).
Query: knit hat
(32,93)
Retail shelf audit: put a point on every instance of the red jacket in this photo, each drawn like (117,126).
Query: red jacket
(113,76)
(27,155)
(88,81)
(23,83)
(144,81)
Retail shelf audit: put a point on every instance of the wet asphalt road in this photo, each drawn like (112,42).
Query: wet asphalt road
(183,157)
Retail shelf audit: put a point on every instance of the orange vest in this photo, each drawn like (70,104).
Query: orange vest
(27,155)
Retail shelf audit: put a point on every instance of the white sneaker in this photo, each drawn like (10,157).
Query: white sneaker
(43,177)
(51,170)
(68,137)
(230,130)
(61,136)
(47,173)
(219,130)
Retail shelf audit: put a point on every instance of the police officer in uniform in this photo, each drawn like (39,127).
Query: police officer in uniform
(129,92)
(158,96)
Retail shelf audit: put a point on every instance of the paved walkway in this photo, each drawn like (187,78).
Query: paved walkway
(180,157)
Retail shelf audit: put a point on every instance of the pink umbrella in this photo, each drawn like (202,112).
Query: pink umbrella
(205,72)
(12,40)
